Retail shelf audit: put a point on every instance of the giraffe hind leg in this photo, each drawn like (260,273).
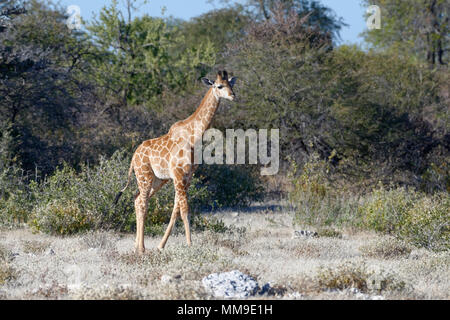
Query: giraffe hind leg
(141,206)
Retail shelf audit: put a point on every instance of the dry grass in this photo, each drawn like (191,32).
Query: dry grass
(386,249)
(7,273)
(35,246)
(345,276)
(337,265)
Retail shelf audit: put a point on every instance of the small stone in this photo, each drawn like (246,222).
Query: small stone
(166,278)
(304,234)
(295,295)
(354,290)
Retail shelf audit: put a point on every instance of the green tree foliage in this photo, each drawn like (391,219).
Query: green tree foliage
(320,17)
(220,27)
(39,93)
(137,59)
(419,28)
(364,111)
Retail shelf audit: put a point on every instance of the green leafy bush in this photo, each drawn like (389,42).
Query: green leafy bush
(231,186)
(14,196)
(418,218)
(60,218)
(384,210)
(89,193)
(427,223)
(316,200)
(421,219)
(68,202)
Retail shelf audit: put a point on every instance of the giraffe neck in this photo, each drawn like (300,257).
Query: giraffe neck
(205,112)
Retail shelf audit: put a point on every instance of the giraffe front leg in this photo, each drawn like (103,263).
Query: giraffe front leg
(184,212)
(173,218)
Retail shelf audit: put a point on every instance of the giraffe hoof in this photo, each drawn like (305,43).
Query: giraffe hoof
(140,252)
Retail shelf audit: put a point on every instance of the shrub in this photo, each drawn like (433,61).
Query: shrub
(14,196)
(420,219)
(316,200)
(231,186)
(60,218)
(7,273)
(68,202)
(385,281)
(345,276)
(34,246)
(329,232)
(384,210)
(427,223)
(355,275)
(415,217)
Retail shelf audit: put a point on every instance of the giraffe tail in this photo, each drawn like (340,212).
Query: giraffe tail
(130,172)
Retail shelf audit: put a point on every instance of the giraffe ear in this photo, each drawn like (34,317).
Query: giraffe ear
(207,82)
(232,81)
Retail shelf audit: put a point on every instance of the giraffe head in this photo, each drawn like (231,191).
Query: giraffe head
(222,87)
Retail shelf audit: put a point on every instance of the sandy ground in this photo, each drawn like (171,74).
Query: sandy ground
(102,265)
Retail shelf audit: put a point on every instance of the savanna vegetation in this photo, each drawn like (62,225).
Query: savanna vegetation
(364,132)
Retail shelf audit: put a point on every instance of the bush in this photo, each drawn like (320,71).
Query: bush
(418,218)
(69,202)
(415,217)
(316,200)
(60,218)
(427,223)
(345,276)
(7,273)
(231,186)
(384,210)
(14,196)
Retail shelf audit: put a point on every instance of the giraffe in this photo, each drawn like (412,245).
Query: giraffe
(170,157)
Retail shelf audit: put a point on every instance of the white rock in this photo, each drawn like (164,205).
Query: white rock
(295,295)
(233,284)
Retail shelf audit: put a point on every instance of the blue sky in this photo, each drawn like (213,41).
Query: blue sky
(350,10)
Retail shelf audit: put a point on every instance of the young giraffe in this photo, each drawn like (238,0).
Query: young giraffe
(170,156)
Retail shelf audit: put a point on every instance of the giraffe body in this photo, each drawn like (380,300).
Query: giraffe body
(170,157)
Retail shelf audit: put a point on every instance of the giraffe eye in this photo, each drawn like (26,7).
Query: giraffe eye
(220,87)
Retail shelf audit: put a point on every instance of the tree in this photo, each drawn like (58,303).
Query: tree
(319,16)
(220,27)
(419,28)
(137,59)
(362,111)
(40,95)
